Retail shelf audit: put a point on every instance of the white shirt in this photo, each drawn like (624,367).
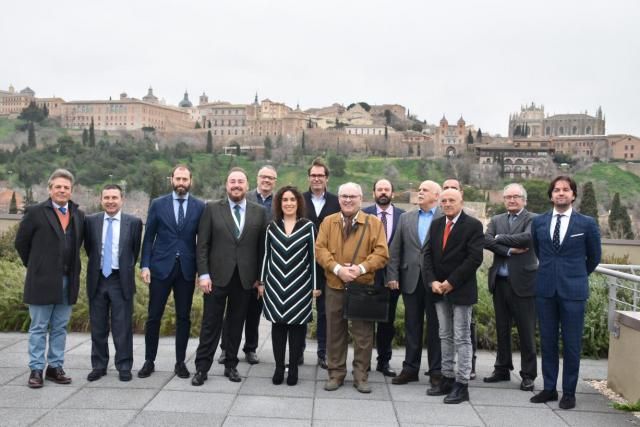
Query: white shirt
(243,210)
(454,220)
(115,229)
(318,203)
(564,223)
(389,212)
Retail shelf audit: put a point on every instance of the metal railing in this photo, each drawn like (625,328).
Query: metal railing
(621,278)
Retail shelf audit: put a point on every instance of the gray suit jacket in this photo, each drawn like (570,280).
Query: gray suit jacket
(128,251)
(220,252)
(405,262)
(522,267)
(252,196)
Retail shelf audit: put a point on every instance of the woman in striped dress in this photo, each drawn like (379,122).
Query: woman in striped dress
(288,279)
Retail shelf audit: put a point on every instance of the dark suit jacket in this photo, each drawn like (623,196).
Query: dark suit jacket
(458,262)
(566,270)
(331,206)
(522,267)
(381,275)
(252,196)
(220,251)
(406,252)
(40,242)
(128,251)
(162,239)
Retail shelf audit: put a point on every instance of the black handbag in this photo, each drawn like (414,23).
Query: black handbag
(362,301)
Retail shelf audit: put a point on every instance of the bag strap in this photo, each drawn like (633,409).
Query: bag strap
(355,254)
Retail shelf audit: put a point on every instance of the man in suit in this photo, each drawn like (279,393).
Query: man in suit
(263,195)
(320,203)
(169,264)
(512,284)
(343,262)
(452,256)
(48,242)
(567,244)
(230,251)
(389,215)
(404,271)
(112,242)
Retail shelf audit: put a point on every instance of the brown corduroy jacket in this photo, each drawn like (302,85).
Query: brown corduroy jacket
(331,249)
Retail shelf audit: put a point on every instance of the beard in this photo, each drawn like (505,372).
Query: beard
(181,190)
(383,200)
(233,198)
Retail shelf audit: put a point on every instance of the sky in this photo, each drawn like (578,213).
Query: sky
(479,59)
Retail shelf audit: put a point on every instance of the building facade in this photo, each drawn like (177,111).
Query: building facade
(624,147)
(515,161)
(531,121)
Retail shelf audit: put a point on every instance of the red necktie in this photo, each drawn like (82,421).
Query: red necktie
(447,230)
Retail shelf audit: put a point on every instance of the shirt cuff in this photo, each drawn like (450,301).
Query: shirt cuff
(509,252)
(145,269)
(362,269)
(205,276)
(336,269)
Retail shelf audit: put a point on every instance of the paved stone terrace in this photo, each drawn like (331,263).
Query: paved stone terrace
(165,400)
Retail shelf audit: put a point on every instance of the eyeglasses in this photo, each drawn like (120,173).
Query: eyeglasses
(514,197)
(315,176)
(267,177)
(349,196)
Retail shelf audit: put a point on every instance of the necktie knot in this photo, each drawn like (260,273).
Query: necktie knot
(181,201)
(63,210)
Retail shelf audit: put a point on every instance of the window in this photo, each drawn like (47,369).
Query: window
(574,130)
(588,130)
(561,130)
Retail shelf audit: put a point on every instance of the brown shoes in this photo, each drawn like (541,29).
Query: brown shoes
(57,375)
(405,377)
(35,379)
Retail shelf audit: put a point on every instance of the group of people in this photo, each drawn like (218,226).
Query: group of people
(274,253)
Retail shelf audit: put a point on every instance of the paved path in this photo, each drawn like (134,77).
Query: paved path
(163,399)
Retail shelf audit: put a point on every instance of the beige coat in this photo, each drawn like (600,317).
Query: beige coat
(331,249)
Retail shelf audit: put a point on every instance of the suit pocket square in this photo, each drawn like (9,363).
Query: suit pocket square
(577,235)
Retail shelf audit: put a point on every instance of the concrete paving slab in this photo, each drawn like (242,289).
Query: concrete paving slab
(354,409)
(214,384)
(412,392)
(24,397)
(257,386)
(109,398)
(10,374)
(111,380)
(503,397)
(20,416)
(590,419)
(14,360)
(379,391)
(171,419)
(521,417)
(272,407)
(78,378)
(458,415)
(184,401)
(589,403)
(335,423)
(265,370)
(261,422)
(86,417)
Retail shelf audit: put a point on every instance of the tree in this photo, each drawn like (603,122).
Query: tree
(479,136)
(302,144)
(588,204)
(619,220)
(209,124)
(13,205)
(417,126)
(45,111)
(268,145)
(31,138)
(387,117)
(32,113)
(469,138)
(537,199)
(85,137)
(209,142)
(92,135)
(337,165)
(198,125)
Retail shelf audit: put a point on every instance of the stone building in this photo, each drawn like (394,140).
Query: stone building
(624,147)
(450,141)
(516,161)
(531,121)
(12,102)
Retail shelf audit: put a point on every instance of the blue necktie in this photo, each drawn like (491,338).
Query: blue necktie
(63,210)
(556,233)
(236,212)
(108,247)
(180,213)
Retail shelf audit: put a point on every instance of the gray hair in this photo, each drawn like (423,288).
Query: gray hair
(352,184)
(523,191)
(60,173)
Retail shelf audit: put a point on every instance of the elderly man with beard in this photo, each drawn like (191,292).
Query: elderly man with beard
(168,264)
(389,215)
(230,251)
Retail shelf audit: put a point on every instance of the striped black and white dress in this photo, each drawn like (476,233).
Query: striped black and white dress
(289,272)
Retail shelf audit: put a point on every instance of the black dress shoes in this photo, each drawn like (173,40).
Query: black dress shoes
(435,378)
(292,376)
(386,370)
(222,358)
(459,393)
(124,375)
(567,402)
(301,360)
(322,362)
(278,376)
(181,370)
(405,377)
(96,374)
(526,384)
(252,358)
(147,369)
(57,375)
(232,374)
(545,396)
(442,388)
(497,376)
(35,379)
(199,378)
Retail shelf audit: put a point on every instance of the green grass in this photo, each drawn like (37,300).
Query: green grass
(630,407)
(614,178)
(8,126)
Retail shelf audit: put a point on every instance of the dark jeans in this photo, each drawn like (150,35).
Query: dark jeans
(231,300)
(279,334)
(159,291)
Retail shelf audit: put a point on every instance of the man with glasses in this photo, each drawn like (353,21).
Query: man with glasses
(512,284)
(336,249)
(319,203)
(263,195)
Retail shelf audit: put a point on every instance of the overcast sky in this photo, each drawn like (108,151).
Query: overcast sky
(481,59)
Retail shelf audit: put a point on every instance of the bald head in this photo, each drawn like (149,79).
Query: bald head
(428,194)
(451,203)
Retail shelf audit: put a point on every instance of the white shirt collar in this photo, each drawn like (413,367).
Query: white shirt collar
(566,213)
(116,217)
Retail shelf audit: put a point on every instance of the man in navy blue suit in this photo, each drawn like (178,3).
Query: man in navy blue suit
(169,263)
(389,215)
(568,248)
